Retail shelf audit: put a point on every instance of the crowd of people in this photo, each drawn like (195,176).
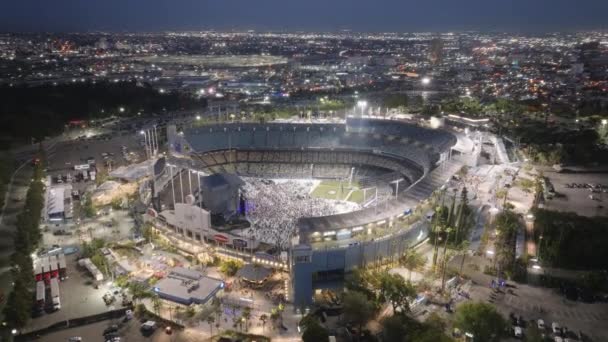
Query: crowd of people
(274,207)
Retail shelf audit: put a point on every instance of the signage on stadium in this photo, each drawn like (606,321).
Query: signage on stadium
(238,243)
(152,212)
(220,238)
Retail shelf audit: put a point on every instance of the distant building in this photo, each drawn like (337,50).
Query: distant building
(436,51)
(188,286)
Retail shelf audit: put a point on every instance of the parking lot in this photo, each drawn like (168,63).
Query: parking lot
(78,297)
(533,303)
(578,199)
(128,332)
(105,149)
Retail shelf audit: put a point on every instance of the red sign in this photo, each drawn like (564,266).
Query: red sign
(152,212)
(220,238)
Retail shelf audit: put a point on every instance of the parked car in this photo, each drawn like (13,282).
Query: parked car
(540,324)
(517,332)
(556,328)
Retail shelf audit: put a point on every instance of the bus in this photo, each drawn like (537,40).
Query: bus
(55,294)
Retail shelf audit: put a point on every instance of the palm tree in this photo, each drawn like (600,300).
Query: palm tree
(463,248)
(274,316)
(263,318)
(138,291)
(211,320)
(157,304)
(246,315)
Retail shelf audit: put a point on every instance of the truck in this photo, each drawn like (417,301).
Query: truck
(56,300)
(54,266)
(40,295)
(63,274)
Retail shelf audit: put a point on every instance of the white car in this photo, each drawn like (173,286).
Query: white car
(517,331)
(556,328)
(540,324)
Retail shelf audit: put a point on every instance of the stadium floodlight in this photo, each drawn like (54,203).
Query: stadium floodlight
(362,104)
(425,81)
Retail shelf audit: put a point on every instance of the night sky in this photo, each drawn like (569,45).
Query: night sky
(311,15)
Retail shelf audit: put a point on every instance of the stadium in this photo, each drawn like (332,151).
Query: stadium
(319,199)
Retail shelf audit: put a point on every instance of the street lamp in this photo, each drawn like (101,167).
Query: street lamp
(121,109)
(425,81)
(198,117)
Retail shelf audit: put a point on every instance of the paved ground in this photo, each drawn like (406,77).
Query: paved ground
(78,298)
(536,302)
(577,199)
(129,332)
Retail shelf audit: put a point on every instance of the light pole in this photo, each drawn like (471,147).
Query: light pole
(396,182)
(362,104)
(142,132)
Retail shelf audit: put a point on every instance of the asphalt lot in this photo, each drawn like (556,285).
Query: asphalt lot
(98,227)
(74,152)
(129,332)
(78,297)
(577,199)
(533,303)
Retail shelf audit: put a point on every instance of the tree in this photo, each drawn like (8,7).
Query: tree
(246,315)
(480,319)
(157,304)
(397,291)
(463,248)
(18,305)
(461,214)
(210,321)
(533,334)
(89,208)
(263,319)
(314,332)
(138,291)
(435,321)
(357,309)
(230,267)
(413,261)
(394,329)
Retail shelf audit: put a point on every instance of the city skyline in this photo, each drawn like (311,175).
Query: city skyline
(315,15)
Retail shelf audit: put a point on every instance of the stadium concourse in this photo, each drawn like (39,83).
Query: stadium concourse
(396,164)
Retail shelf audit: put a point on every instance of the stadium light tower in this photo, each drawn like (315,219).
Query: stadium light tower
(142,132)
(396,182)
(362,104)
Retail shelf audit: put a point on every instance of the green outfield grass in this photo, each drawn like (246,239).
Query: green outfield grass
(331,189)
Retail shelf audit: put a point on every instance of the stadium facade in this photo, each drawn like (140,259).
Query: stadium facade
(383,150)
